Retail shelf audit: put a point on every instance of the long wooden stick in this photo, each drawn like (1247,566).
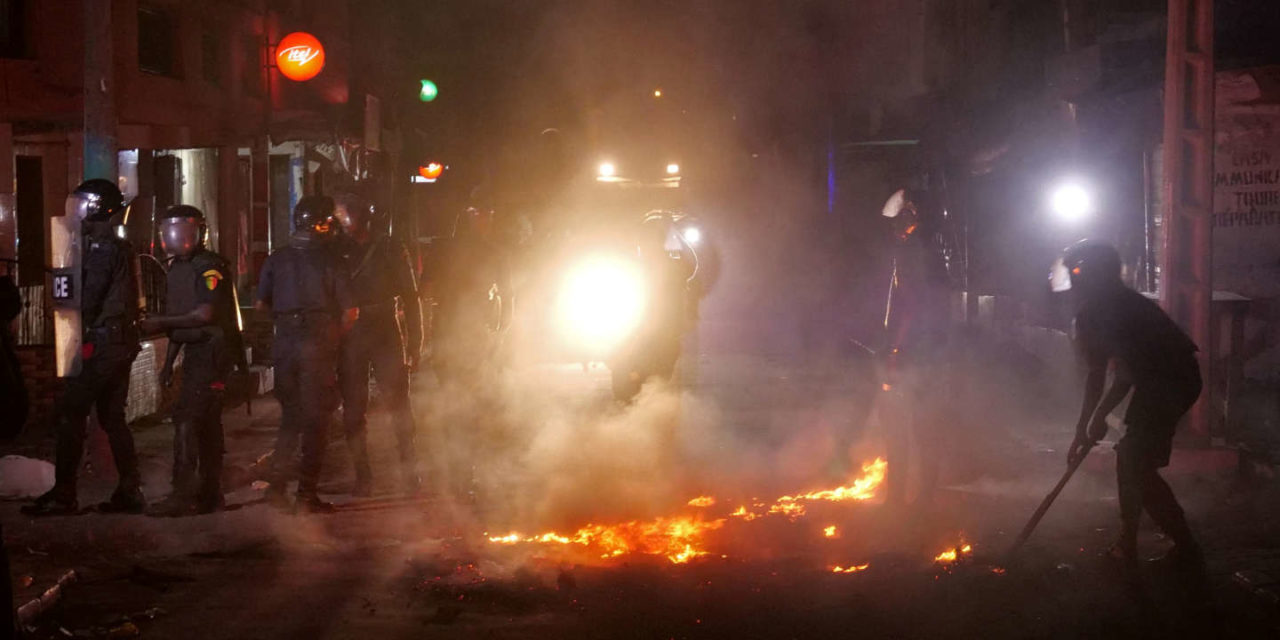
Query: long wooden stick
(1048,501)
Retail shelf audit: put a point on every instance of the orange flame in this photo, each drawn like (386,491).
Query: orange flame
(863,488)
(680,538)
(850,569)
(953,554)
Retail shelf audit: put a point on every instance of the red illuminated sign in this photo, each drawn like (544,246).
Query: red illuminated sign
(299,56)
(431,171)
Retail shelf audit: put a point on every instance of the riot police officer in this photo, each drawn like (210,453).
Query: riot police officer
(303,287)
(916,360)
(109,315)
(201,321)
(380,275)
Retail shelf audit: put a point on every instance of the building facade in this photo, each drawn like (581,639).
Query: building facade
(187,102)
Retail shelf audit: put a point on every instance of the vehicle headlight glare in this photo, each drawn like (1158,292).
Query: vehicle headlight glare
(601,302)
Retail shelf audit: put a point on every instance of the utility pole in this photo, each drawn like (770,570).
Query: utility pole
(1186,257)
(99,92)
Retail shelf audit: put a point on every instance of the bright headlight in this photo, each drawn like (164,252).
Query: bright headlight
(601,302)
(692,235)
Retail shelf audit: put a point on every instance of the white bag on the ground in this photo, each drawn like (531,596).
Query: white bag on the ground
(22,477)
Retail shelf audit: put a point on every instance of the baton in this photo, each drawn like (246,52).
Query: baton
(1048,501)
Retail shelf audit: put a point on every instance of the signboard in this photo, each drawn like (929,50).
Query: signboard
(64,287)
(1246,189)
(1246,206)
(300,56)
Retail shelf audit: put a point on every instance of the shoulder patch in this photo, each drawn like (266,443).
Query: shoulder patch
(211,278)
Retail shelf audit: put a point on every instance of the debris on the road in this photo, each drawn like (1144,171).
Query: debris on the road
(23,477)
(1261,586)
(28,612)
(126,630)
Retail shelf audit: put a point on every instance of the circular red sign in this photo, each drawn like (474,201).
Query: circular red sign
(299,56)
(431,171)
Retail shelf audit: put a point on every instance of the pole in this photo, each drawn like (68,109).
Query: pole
(1186,260)
(99,92)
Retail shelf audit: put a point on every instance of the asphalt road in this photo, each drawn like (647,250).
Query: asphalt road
(548,450)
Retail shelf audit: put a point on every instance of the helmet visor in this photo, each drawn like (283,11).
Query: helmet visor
(80,205)
(180,236)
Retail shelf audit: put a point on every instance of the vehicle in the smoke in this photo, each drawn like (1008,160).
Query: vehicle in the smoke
(619,294)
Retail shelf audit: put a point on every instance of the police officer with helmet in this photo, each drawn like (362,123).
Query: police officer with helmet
(305,290)
(380,275)
(109,315)
(202,322)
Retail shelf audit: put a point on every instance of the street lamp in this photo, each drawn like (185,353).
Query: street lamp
(1071,201)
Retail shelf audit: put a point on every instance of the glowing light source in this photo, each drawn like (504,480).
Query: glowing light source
(607,170)
(428,91)
(692,235)
(429,172)
(657,93)
(299,56)
(601,301)
(673,169)
(1071,201)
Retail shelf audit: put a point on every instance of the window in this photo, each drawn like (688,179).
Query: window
(13,29)
(157,52)
(211,56)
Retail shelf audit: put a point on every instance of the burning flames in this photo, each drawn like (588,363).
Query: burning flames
(678,539)
(850,569)
(681,538)
(953,554)
(830,531)
(863,488)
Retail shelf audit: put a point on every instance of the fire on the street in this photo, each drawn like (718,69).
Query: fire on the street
(850,569)
(682,538)
(955,553)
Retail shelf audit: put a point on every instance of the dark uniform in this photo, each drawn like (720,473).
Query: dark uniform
(208,355)
(379,272)
(307,293)
(109,313)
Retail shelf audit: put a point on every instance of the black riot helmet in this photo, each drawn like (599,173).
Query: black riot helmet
(1091,265)
(182,230)
(95,200)
(354,214)
(312,220)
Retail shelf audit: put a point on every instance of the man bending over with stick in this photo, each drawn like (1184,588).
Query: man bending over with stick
(1155,359)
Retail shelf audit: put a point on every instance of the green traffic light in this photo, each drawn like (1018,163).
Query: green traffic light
(429,91)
